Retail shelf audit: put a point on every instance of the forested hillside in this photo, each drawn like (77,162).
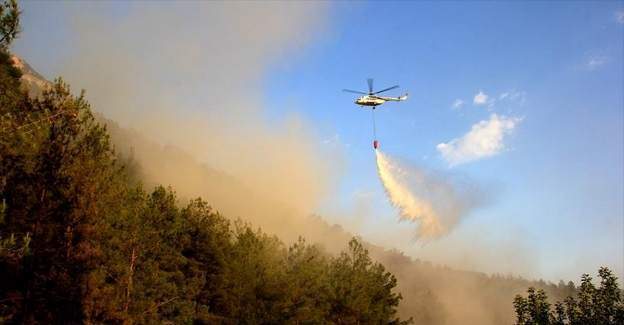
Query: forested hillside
(98,224)
(432,294)
(84,242)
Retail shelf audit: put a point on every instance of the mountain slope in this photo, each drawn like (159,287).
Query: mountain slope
(432,294)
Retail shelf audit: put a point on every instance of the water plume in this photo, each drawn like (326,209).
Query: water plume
(434,202)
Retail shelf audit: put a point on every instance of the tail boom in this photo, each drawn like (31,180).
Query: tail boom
(395,99)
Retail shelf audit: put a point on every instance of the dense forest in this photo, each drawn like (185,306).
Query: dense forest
(83,242)
(87,235)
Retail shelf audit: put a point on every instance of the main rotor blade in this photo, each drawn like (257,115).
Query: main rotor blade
(355,91)
(370,85)
(381,91)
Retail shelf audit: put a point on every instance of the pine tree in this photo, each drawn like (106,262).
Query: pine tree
(9,22)
(592,306)
(361,291)
(305,300)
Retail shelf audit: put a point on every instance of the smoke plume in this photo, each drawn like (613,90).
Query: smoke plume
(434,203)
(188,78)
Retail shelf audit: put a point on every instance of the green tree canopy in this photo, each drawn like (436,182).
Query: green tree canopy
(591,306)
(9,22)
(81,240)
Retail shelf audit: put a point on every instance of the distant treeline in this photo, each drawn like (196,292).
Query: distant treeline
(593,305)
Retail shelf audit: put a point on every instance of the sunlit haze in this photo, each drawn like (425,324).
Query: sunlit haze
(515,114)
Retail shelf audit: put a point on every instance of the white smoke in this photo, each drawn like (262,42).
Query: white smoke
(436,204)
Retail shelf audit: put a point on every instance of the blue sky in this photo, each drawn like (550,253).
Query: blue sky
(558,181)
(552,70)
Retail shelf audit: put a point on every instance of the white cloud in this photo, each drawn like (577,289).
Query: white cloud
(480,98)
(334,141)
(484,139)
(596,61)
(514,96)
(491,103)
(458,103)
(518,95)
(619,16)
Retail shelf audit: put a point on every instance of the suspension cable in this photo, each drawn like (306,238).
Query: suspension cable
(374,126)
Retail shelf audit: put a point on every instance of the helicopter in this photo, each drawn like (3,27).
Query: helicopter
(371,99)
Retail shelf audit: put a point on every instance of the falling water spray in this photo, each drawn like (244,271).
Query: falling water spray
(433,202)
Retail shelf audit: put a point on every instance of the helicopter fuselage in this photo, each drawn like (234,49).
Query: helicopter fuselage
(373,101)
(369,101)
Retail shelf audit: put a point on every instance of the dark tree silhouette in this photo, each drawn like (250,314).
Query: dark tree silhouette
(591,306)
